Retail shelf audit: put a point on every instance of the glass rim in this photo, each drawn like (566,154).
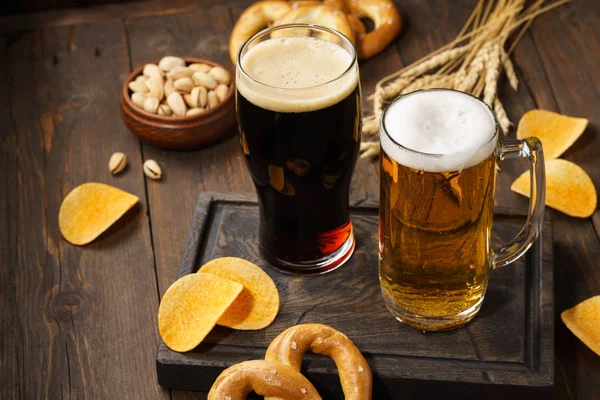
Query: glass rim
(266,31)
(436,155)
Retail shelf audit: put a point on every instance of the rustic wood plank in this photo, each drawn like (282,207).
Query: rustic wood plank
(77,322)
(85,15)
(570,62)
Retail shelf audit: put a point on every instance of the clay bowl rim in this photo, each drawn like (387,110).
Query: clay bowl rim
(175,119)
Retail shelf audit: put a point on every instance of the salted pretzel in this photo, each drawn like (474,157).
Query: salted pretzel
(266,378)
(387,22)
(252,20)
(321,14)
(355,375)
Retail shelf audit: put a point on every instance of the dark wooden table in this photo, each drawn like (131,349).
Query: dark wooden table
(80,322)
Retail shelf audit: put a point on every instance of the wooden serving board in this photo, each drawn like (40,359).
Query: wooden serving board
(507,349)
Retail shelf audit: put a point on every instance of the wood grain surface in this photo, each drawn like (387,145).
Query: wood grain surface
(508,348)
(80,322)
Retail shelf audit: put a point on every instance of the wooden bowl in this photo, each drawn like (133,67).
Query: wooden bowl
(178,133)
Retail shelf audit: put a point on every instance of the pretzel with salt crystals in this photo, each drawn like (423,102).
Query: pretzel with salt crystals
(321,14)
(387,22)
(266,378)
(252,20)
(355,375)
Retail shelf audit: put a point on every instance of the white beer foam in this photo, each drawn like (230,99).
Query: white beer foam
(449,130)
(296,74)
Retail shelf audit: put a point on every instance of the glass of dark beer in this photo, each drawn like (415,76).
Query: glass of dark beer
(299,114)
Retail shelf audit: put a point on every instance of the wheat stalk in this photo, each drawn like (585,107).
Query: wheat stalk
(473,62)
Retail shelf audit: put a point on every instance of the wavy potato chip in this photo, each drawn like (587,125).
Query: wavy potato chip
(258,304)
(557,132)
(90,209)
(569,189)
(191,307)
(584,321)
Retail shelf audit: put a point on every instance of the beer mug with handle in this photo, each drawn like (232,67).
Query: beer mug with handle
(439,152)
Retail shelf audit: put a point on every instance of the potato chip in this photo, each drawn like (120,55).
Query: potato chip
(584,321)
(90,209)
(569,189)
(191,307)
(557,132)
(258,304)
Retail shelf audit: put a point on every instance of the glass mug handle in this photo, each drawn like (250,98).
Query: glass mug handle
(530,148)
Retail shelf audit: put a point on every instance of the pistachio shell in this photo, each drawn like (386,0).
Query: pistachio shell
(221,91)
(169,62)
(155,85)
(138,86)
(138,99)
(175,101)
(117,163)
(213,100)
(203,79)
(200,67)
(180,72)
(184,85)
(151,105)
(151,70)
(152,169)
(220,74)
(194,111)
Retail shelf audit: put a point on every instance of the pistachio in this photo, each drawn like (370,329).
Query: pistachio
(151,70)
(151,105)
(173,88)
(117,163)
(169,62)
(194,111)
(202,96)
(155,85)
(169,88)
(192,98)
(221,91)
(200,67)
(138,86)
(203,79)
(175,101)
(138,99)
(184,85)
(152,169)
(180,72)
(164,109)
(213,100)
(220,74)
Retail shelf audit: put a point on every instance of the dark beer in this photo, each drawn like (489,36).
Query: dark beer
(301,142)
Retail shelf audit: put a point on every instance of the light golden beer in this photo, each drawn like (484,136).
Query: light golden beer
(436,220)
(436,227)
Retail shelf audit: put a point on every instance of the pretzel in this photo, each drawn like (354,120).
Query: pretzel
(355,375)
(252,20)
(266,378)
(339,4)
(357,26)
(327,16)
(387,25)
(355,23)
